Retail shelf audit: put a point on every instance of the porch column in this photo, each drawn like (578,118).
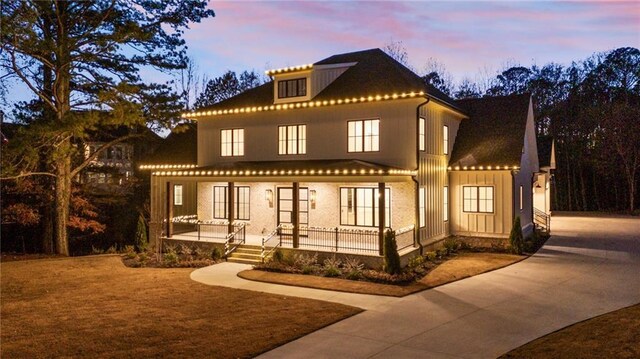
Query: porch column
(296,215)
(169,226)
(381,216)
(230,207)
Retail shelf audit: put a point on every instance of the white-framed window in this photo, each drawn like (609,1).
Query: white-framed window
(521,197)
(359,206)
(445,139)
(422,200)
(477,199)
(364,135)
(292,139)
(177,195)
(232,142)
(292,88)
(445,203)
(241,202)
(422,138)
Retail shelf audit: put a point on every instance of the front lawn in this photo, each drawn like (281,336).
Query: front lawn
(97,307)
(612,335)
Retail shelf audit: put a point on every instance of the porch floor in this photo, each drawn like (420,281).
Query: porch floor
(256,240)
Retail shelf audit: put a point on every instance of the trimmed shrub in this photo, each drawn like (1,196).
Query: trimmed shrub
(277,256)
(431,256)
(391,256)
(451,245)
(142,240)
(216,253)
(515,237)
(416,261)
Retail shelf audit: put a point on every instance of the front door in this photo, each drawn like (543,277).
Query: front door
(285,205)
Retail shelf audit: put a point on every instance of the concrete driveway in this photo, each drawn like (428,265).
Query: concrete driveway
(590,266)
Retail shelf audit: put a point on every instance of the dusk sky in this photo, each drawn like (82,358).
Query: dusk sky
(465,36)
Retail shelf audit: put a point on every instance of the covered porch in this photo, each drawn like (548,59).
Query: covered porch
(327,208)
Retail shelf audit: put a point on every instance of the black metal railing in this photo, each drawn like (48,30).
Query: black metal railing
(191,227)
(270,243)
(542,220)
(405,237)
(235,240)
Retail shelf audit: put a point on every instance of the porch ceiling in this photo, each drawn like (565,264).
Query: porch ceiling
(302,171)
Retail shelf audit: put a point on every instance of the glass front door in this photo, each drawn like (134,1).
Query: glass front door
(285,205)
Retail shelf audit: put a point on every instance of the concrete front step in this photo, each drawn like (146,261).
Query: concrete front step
(244,260)
(248,254)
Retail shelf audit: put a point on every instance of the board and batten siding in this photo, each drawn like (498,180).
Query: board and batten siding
(432,170)
(326,133)
(496,224)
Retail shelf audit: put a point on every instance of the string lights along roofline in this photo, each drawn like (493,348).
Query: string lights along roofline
(289,69)
(276,172)
(304,104)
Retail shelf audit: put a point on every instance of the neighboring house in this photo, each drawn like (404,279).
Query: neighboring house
(327,156)
(117,164)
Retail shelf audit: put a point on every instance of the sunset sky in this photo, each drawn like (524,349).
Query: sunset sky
(465,36)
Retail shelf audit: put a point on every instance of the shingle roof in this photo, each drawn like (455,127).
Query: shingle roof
(178,148)
(545,145)
(494,133)
(375,73)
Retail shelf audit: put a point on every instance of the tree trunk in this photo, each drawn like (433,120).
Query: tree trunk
(583,189)
(63,197)
(596,199)
(47,229)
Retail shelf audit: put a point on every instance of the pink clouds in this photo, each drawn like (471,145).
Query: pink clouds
(463,35)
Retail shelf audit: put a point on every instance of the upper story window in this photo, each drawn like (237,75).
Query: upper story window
(364,136)
(422,138)
(292,140)
(232,142)
(478,199)
(445,140)
(292,88)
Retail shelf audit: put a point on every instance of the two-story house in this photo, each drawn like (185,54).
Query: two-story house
(327,156)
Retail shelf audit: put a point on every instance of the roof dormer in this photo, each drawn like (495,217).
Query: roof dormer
(303,83)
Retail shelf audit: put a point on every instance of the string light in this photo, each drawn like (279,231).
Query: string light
(304,172)
(289,69)
(166,166)
(304,104)
(481,168)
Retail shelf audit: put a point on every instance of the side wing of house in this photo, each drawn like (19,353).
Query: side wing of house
(525,177)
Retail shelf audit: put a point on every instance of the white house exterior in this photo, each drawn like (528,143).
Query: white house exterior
(306,157)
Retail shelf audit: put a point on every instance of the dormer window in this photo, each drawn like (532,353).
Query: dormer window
(292,88)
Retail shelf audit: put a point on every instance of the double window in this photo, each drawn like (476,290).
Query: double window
(292,88)
(292,140)
(232,142)
(364,135)
(478,199)
(359,206)
(240,204)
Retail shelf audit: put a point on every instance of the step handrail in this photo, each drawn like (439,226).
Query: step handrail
(266,239)
(231,237)
(541,218)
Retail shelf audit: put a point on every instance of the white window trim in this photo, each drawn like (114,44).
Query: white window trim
(177,195)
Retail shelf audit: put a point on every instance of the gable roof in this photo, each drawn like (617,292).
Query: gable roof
(494,133)
(375,73)
(545,146)
(178,148)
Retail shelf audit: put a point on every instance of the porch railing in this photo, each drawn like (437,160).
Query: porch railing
(542,220)
(267,241)
(405,237)
(190,226)
(234,240)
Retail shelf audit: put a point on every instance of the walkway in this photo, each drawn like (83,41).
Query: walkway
(589,267)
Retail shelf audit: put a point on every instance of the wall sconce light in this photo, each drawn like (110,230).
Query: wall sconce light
(312,196)
(268,196)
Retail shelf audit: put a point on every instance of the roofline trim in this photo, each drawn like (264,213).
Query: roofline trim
(276,172)
(305,104)
(285,70)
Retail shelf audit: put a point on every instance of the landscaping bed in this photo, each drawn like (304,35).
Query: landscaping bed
(455,267)
(179,256)
(96,307)
(456,260)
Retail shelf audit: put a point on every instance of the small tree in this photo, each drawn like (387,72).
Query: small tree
(391,256)
(142,241)
(515,237)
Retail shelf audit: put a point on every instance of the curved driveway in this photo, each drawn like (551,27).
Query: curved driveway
(590,266)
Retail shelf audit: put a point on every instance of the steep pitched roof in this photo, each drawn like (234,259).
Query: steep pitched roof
(494,133)
(375,73)
(178,148)
(545,145)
